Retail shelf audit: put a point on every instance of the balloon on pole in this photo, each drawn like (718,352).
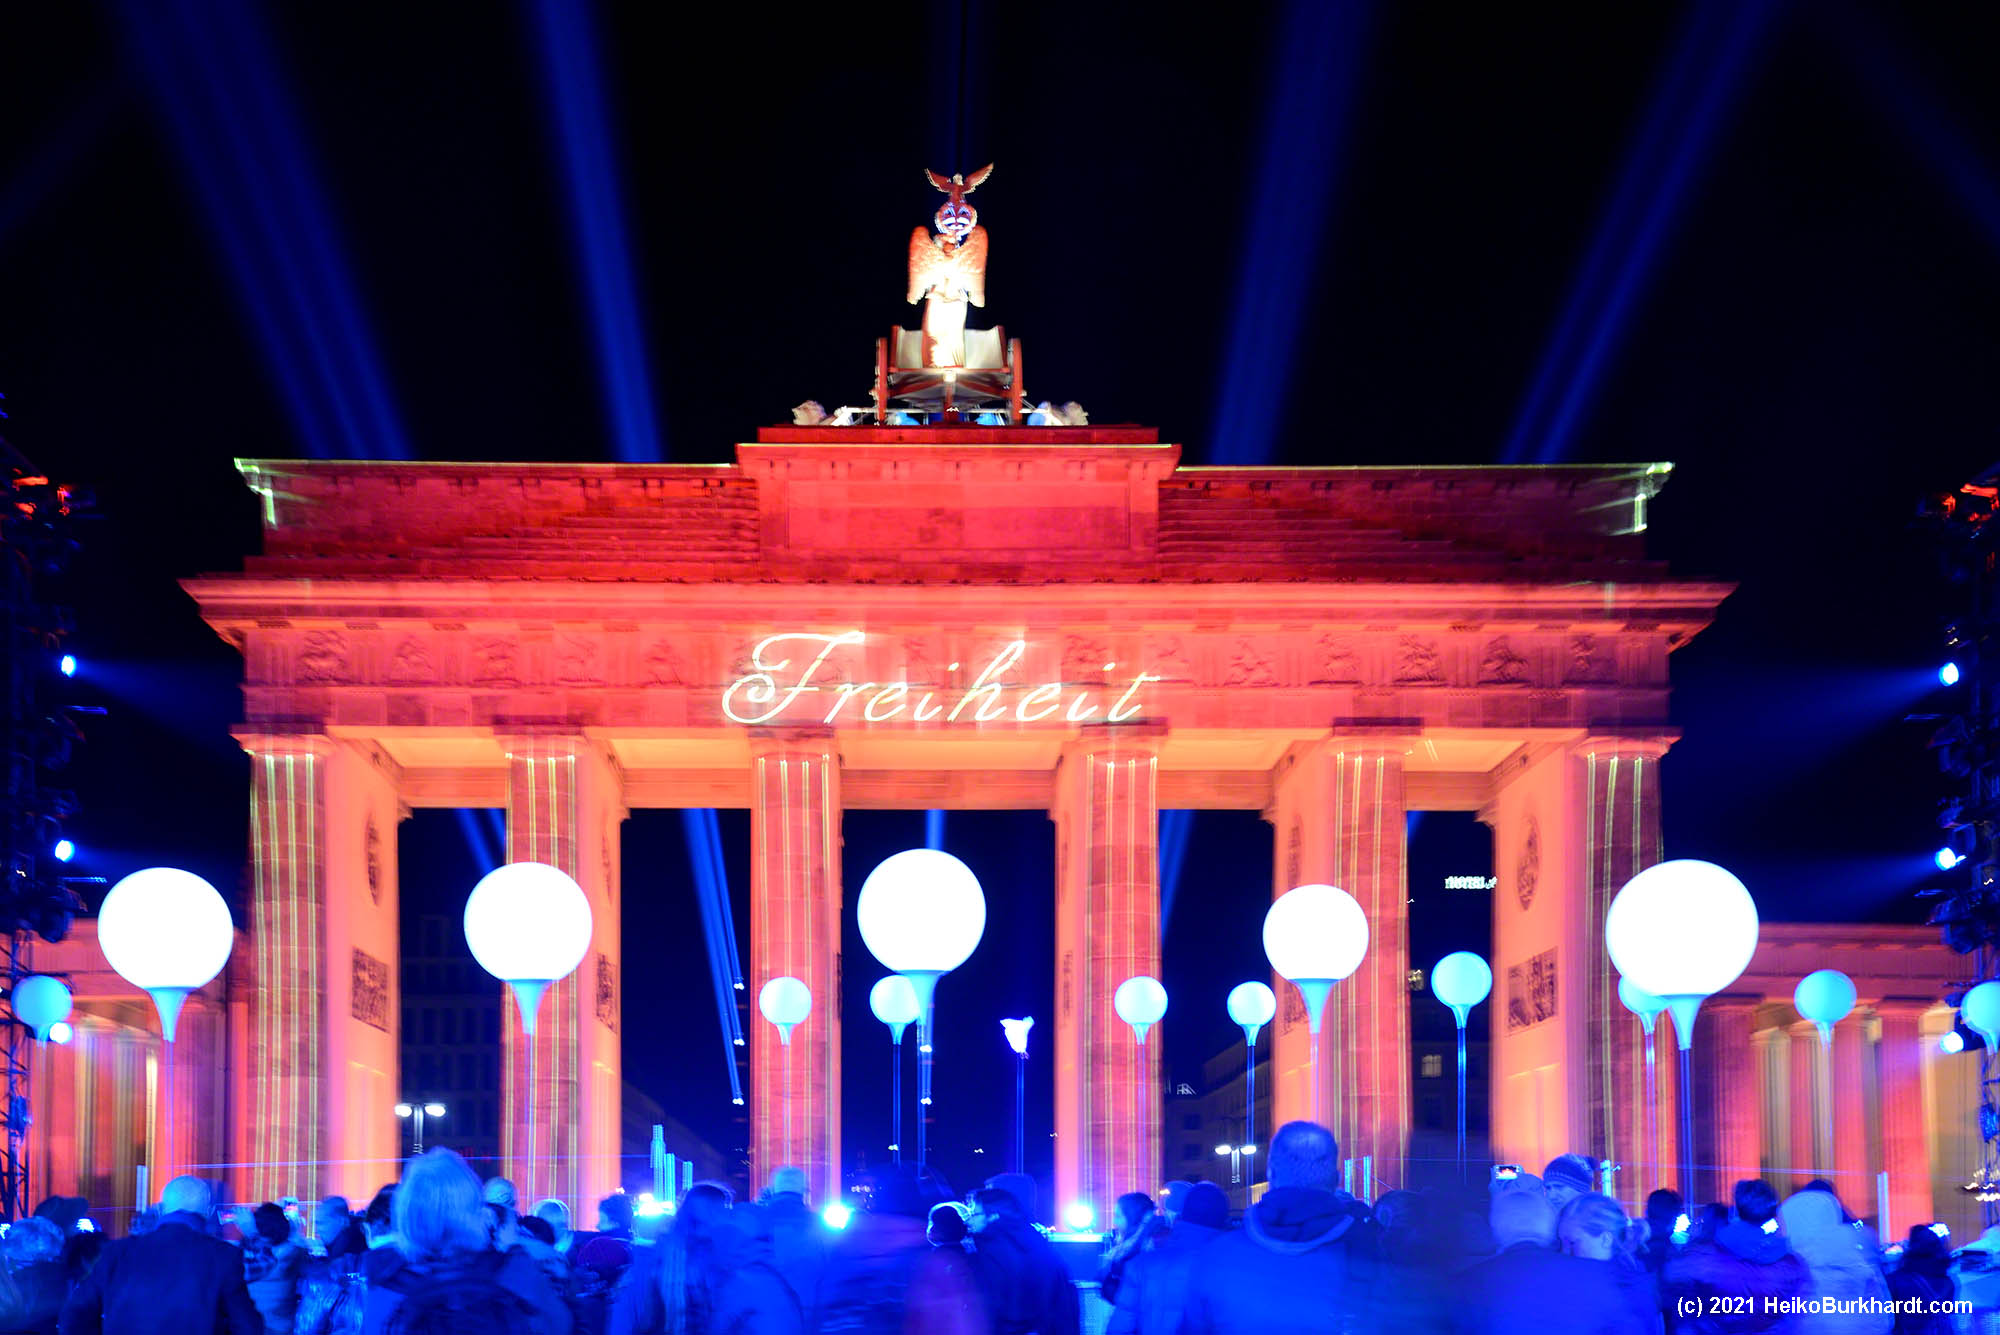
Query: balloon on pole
(785,1002)
(1251,1007)
(528,924)
(894,1003)
(1140,1002)
(1682,930)
(1826,997)
(1981,1012)
(1641,1003)
(1315,936)
(1461,980)
(168,933)
(41,1003)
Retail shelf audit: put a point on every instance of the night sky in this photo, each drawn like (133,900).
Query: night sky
(1762,242)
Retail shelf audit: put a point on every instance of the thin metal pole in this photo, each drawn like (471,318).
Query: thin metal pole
(1314,1069)
(1250,1101)
(1686,1105)
(1649,1166)
(1020,1111)
(923,1091)
(528,1186)
(1461,1101)
(418,1152)
(896,1098)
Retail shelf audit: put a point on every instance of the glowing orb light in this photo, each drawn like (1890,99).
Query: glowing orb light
(1017,1033)
(921,914)
(1641,1003)
(1981,1012)
(41,1003)
(1461,980)
(894,1002)
(1140,1002)
(1251,1007)
(1682,930)
(166,932)
(836,1216)
(1826,997)
(1079,1217)
(1953,1042)
(785,1002)
(1314,936)
(528,924)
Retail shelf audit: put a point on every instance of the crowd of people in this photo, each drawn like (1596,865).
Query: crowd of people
(442,1253)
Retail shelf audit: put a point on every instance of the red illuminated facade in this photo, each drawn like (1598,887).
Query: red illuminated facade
(1060,619)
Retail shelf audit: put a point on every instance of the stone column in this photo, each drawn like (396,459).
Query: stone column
(1728,1080)
(1905,1152)
(324,1001)
(1340,819)
(1854,1175)
(1772,1079)
(1620,789)
(795,915)
(1802,1063)
(1108,1096)
(565,803)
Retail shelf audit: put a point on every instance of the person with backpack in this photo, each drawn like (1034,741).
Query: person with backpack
(442,1277)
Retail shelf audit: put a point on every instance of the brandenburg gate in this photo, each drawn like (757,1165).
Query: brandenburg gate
(1059,618)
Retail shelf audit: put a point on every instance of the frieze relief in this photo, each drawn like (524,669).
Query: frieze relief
(1592,661)
(578,661)
(663,665)
(1418,662)
(324,657)
(495,661)
(1336,662)
(1250,664)
(412,663)
(1500,665)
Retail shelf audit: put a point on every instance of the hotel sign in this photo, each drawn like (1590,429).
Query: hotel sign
(791,678)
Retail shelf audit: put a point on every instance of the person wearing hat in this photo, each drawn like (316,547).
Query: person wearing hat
(1567,1177)
(1153,1297)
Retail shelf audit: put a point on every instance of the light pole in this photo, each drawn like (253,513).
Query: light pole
(786,1002)
(166,932)
(528,924)
(1647,1007)
(1461,980)
(921,914)
(1251,1006)
(1315,936)
(1682,930)
(414,1113)
(894,1002)
(1826,997)
(1017,1039)
(1237,1154)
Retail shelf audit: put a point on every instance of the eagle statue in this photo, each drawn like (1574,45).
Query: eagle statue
(949,269)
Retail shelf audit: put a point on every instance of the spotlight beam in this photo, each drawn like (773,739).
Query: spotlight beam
(1318,57)
(212,69)
(699,864)
(1175,826)
(1692,92)
(572,80)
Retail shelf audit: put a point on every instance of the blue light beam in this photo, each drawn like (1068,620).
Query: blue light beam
(572,79)
(1691,94)
(213,70)
(1175,826)
(1318,57)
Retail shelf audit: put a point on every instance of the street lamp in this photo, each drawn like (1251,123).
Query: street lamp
(415,1113)
(894,1002)
(166,932)
(1461,980)
(1017,1039)
(921,914)
(1682,930)
(528,924)
(1315,936)
(1237,1154)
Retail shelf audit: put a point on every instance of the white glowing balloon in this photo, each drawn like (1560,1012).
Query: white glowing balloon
(894,1002)
(528,924)
(167,932)
(41,1003)
(1981,1012)
(1461,980)
(1140,1002)
(1016,1032)
(1682,930)
(1314,936)
(1252,1006)
(785,1002)
(1826,997)
(921,913)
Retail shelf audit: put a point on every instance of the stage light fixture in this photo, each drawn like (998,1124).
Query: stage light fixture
(1948,675)
(68,666)
(64,850)
(1953,1042)
(1946,858)
(835,1216)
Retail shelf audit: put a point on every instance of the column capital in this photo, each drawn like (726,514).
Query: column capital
(1141,735)
(1651,744)
(814,737)
(305,737)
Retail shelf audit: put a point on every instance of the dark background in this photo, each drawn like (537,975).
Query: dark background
(1316,235)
